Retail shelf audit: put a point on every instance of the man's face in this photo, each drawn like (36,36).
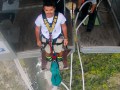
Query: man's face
(49,11)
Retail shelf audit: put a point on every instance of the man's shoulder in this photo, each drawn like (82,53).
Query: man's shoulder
(60,15)
(38,19)
(40,15)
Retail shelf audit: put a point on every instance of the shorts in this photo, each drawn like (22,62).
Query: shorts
(57,48)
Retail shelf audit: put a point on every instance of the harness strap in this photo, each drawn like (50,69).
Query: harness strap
(50,27)
(53,41)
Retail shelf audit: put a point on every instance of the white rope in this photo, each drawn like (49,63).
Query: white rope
(98,3)
(83,80)
(58,1)
(65,86)
(71,70)
(70,74)
(81,23)
(80,10)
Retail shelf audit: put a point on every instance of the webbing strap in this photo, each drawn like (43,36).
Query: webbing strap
(53,41)
(49,26)
(50,43)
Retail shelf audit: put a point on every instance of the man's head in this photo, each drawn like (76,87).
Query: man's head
(49,8)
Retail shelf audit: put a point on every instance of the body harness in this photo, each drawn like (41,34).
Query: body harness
(50,27)
(56,77)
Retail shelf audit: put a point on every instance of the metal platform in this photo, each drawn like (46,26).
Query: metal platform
(104,38)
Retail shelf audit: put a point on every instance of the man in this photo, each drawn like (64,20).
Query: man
(92,12)
(52,29)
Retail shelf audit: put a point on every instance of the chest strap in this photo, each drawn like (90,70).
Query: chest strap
(50,26)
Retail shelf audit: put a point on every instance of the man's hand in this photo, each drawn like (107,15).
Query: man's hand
(92,9)
(65,42)
(90,12)
(39,43)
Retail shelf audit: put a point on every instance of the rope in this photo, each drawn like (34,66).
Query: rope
(80,10)
(83,80)
(98,3)
(71,70)
(65,86)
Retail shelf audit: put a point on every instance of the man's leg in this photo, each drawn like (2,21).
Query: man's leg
(91,21)
(48,56)
(60,56)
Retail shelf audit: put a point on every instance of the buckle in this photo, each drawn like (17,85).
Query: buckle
(59,59)
(49,59)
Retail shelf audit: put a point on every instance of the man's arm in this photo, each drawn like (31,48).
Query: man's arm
(64,29)
(93,7)
(79,2)
(37,33)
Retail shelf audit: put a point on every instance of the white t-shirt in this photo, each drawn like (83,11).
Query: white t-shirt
(56,31)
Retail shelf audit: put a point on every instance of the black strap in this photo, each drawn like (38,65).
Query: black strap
(54,40)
